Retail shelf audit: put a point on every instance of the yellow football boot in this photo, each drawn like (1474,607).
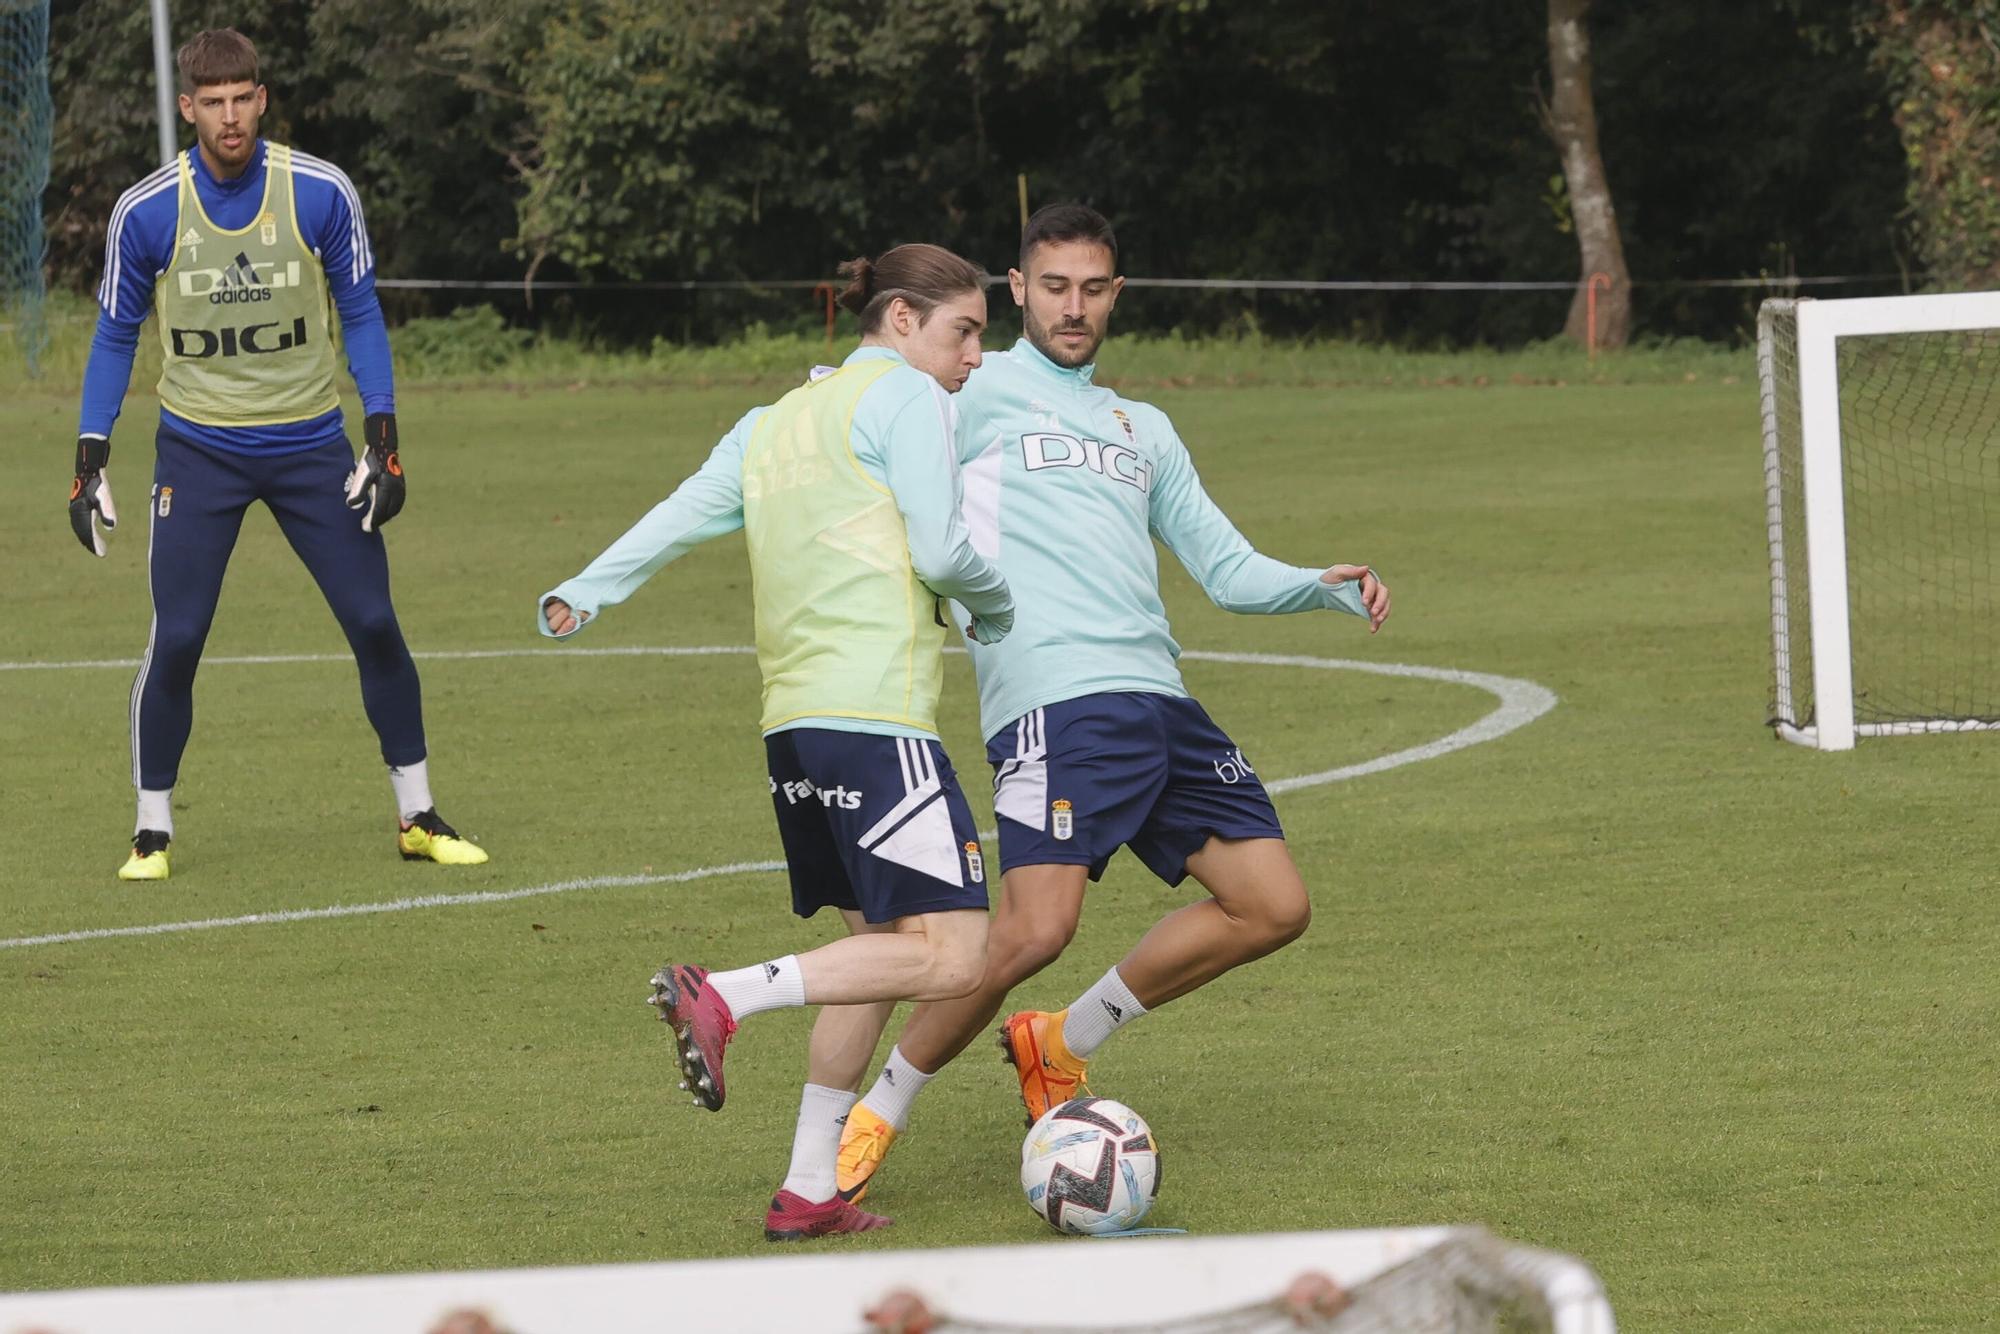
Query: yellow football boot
(149,856)
(863,1145)
(428,838)
(1031,1041)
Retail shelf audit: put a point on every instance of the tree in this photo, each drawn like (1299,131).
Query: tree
(1942,64)
(1572,123)
(384,91)
(720,139)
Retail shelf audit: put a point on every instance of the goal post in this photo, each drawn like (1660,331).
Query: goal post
(1881,426)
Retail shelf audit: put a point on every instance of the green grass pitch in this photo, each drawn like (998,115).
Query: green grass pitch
(1635,982)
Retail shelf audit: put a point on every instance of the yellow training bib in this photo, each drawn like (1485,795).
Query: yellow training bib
(243,314)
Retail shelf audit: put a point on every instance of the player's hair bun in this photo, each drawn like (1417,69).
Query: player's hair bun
(860,275)
(925,276)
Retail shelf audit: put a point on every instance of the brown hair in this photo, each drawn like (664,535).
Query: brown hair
(926,276)
(217,56)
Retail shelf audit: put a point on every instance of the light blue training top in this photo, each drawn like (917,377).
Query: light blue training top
(1066,485)
(902,438)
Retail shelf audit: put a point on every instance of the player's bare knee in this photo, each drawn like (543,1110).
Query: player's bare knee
(1044,941)
(1288,919)
(957,948)
(958,978)
(955,971)
(1278,920)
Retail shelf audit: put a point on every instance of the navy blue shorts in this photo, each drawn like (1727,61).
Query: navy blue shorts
(1074,781)
(873,822)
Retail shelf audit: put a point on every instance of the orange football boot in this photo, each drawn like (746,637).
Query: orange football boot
(864,1142)
(1031,1042)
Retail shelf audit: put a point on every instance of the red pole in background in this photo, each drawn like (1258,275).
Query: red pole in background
(1590,310)
(824,291)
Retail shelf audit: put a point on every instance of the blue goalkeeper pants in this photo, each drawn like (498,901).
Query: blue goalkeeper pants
(199,496)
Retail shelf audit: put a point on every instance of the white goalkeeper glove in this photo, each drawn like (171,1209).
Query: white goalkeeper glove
(376,485)
(90,494)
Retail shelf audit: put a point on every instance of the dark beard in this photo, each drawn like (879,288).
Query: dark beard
(1043,341)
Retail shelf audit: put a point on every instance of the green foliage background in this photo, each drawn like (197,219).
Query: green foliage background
(1943,67)
(719,139)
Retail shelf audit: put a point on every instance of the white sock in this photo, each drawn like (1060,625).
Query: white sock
(816,1143)
(1108,1006)
(156,810)
(762,986)
(412,783)
(895,1089)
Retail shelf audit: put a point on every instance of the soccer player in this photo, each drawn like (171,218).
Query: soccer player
(237,245)
(1094,740)
(849,497)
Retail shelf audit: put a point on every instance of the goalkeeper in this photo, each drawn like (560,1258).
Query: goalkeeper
(237,244)
(847,494)
(1094,740)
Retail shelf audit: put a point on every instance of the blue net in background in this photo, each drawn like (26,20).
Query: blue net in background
(25,116)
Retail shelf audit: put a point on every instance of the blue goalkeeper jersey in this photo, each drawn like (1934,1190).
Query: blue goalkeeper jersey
(1066,486)
(141,243)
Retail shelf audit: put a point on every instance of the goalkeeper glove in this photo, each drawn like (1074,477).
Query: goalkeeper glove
(90,494)
(376,484)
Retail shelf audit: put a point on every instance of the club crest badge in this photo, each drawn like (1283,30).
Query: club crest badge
(975,864)
(1125,422)
(1062,818)
(267,229)
(166,501)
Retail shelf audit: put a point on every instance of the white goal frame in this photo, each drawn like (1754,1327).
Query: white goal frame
(1820,324)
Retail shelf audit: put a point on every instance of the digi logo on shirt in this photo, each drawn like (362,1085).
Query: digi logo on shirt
(245,280)
(249,340)
(1052,449)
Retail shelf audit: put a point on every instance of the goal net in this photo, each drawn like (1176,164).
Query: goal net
(1422,1280)
(25,118)
(1467,1282)
(1881,422)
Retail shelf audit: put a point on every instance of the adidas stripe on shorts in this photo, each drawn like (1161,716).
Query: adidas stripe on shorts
(875,823)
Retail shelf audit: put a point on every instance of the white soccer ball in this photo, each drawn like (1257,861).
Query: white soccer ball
(1090,1166)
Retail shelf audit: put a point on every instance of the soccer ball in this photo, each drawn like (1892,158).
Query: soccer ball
(1090,1166)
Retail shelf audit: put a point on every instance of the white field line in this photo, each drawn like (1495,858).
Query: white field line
(1521,702)
(396,905)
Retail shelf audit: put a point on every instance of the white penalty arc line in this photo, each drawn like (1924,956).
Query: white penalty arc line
(1521,702)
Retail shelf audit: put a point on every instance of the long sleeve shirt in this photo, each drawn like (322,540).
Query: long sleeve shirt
(1066,486)
(898,437)
(140,244)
